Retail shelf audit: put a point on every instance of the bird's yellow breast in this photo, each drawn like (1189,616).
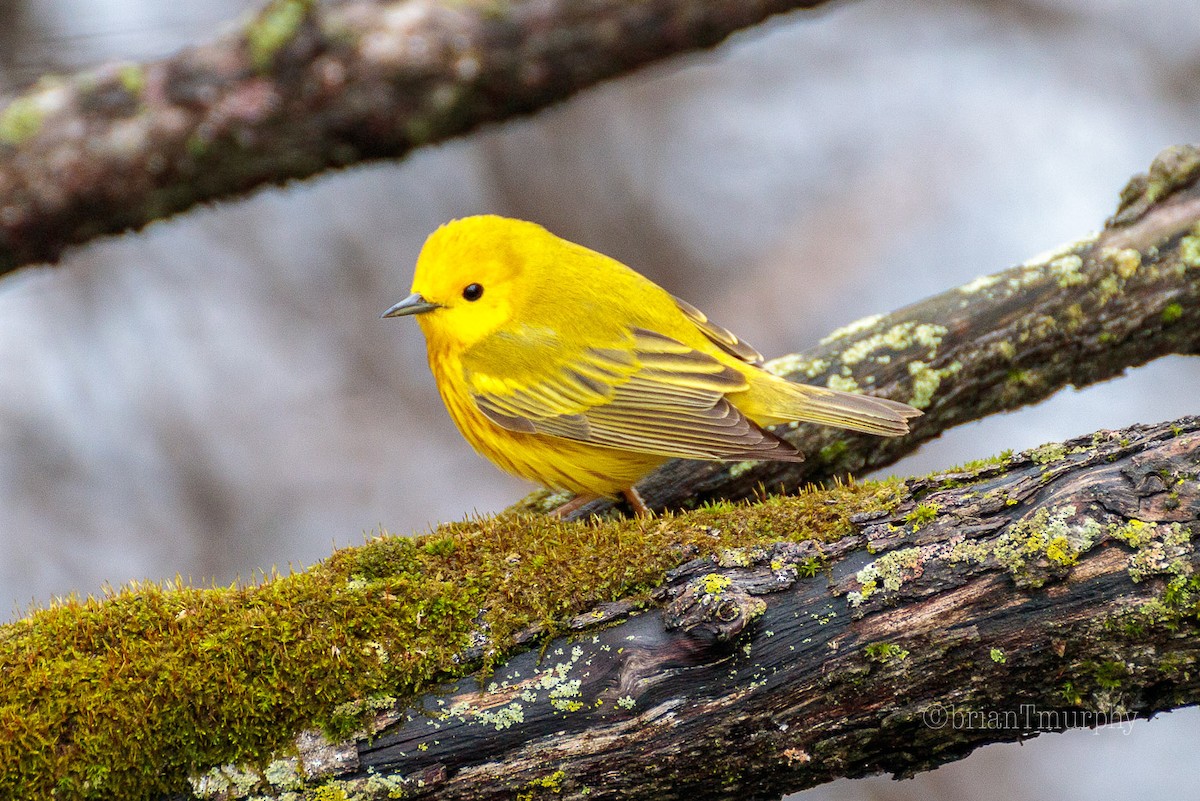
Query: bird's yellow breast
(551,461)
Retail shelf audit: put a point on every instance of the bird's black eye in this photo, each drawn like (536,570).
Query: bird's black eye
(473,291)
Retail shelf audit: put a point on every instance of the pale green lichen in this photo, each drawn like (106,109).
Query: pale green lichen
(1189,248)
(1066,270)
(1045,541)
(856,327)
(715,583)
(795,364)
(565,696)
(738,557)
(552,784)
(887,570)
(274,28)
(738,469)
(926,380)
(897,338)
(1125,262)
(843,384)
(502,718)
(980,283)
(1108,288)
(1157,549)
(1045,454)
(132,78)
(1048,256)
(20,121)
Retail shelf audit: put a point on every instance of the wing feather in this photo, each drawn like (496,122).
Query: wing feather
(655,395)
(721,337)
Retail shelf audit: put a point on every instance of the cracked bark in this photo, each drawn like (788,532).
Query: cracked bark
(306,87)
(1050,590)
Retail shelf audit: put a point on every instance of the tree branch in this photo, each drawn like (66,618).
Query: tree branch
(1081,314)
(1051,590)
(306,87)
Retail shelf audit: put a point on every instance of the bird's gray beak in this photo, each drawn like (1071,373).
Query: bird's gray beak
(413,304)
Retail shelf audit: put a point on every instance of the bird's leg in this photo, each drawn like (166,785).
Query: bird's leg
(573,505)
(635,501)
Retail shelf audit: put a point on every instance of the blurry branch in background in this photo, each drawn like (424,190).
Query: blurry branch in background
(306,87)
(1079,315)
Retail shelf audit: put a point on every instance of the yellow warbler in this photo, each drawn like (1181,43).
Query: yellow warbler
(566,367)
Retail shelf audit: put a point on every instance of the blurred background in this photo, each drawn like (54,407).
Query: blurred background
(217,395)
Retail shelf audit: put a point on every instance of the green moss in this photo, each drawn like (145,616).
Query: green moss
(1110,675)
(921,514)
(20,121)
(1171,313)
(811,567)
(885,652)
(991,461)
(230,675)
(274,28)
(998,656)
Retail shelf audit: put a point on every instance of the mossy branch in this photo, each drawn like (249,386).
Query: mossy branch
(307,86)
(1081,314)
(729,652)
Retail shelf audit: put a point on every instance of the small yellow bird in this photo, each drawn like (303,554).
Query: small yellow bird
(566,367)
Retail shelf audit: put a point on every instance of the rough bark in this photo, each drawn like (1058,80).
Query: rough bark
(1051,590)
(1081,314)
(308,86)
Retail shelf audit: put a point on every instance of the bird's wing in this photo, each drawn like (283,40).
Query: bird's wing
(723,338)
(652,395)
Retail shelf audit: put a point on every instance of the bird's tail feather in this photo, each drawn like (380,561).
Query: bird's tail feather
(847,410)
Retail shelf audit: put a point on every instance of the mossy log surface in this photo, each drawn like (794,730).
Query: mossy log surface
(1052,589)
(307,86)
(1081,314)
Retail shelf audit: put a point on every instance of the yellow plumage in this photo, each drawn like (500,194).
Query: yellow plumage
(566,367)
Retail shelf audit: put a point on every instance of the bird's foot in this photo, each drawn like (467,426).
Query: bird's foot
(573,505)
(636,503)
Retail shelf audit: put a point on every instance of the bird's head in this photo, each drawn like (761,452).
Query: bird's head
(468,280)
